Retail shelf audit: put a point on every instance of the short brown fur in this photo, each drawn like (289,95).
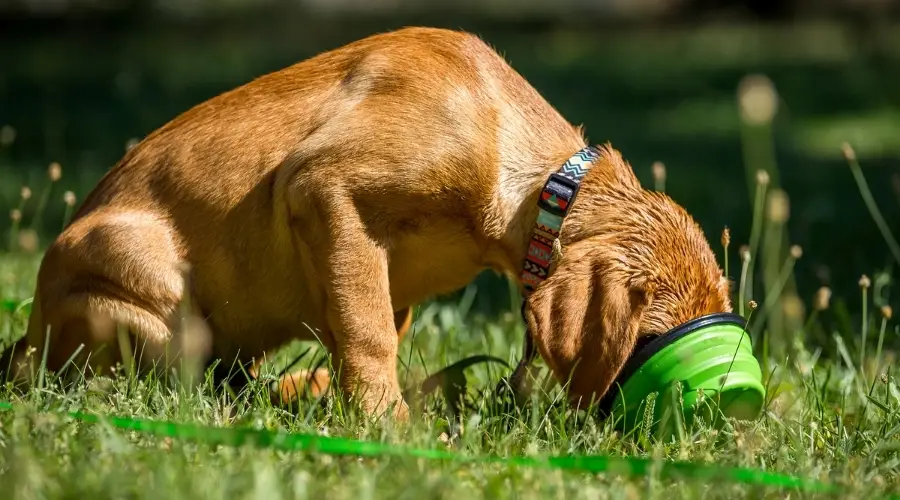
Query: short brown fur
(324,200)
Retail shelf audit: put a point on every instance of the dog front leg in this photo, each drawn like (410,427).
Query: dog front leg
(316,382)
(360,315)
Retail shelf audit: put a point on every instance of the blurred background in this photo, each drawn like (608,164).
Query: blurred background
(662,80)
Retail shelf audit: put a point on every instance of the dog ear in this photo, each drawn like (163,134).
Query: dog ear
(584,321)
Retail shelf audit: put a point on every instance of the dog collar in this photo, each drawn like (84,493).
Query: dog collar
(554,203)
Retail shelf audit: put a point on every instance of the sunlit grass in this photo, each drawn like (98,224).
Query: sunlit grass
(822,421)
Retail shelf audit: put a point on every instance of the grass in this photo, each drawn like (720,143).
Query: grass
(832,412)
(821,422)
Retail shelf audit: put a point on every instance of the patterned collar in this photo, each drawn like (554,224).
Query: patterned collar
(554,203)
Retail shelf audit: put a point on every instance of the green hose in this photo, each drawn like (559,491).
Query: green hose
(626,466)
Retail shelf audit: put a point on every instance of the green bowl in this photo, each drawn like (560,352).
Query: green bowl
(712,360)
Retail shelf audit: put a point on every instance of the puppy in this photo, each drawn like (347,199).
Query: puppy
(323,201)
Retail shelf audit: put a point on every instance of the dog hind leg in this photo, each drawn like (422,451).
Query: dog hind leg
(107,274)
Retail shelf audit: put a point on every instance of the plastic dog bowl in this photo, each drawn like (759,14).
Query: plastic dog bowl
(710,357)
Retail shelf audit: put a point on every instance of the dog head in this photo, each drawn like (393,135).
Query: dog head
(632,263)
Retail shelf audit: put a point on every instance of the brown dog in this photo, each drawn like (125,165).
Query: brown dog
(324,200)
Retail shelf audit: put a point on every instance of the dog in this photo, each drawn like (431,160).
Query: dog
(325,200)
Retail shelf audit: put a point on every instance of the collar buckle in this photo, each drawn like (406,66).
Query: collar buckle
(558,194)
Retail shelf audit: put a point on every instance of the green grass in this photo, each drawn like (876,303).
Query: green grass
(832,413)
(822,421)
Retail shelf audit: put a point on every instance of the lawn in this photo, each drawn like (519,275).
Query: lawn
(824,420)
(832,412)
